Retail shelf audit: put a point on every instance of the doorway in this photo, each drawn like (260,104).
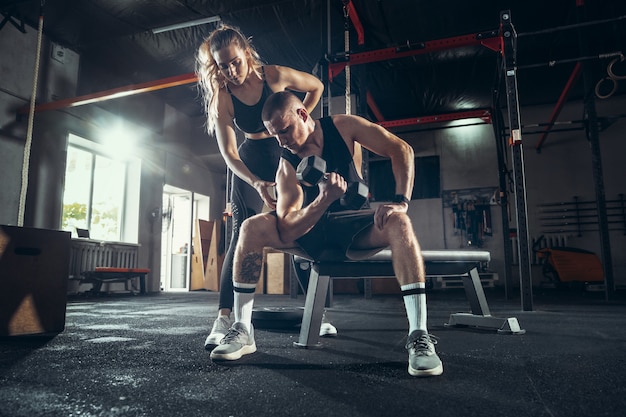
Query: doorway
(181,209)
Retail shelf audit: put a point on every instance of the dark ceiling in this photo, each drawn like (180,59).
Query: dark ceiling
(118,48)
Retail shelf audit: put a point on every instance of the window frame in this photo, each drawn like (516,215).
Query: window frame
(128,214)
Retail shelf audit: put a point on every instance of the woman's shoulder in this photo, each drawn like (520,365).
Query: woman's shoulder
(275,73)
(224,100)
(271,72)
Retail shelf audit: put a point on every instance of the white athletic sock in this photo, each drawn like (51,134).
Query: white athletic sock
(414,296)
(244,301)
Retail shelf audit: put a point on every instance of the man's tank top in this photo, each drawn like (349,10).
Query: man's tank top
(338,159)
(248,118)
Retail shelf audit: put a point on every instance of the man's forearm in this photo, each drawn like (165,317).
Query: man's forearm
(297,223)
(403,168)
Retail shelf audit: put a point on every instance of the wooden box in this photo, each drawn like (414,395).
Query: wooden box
(34,274)
(277,267)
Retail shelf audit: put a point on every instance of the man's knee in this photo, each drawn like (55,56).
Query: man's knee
(399,223)
(259,228)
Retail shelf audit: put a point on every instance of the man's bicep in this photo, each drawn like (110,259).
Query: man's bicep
(289,192)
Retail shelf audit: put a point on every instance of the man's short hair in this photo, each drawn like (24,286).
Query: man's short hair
(278,102)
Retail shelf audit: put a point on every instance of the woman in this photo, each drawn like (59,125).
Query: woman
(234,84)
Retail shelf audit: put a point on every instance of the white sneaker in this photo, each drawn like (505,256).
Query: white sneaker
(423,360)
(326,328)
(220,328)
(238,341)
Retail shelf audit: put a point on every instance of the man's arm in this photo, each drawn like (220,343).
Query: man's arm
(384,143)
(355,129)
(294,221)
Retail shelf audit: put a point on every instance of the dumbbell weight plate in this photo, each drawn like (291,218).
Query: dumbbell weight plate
(311,170)
(356,195)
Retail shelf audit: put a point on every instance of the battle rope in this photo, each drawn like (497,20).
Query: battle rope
(29,132)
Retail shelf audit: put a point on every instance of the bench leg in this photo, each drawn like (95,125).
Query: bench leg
(313,310)
(475,294)
(481,316)
(96,286)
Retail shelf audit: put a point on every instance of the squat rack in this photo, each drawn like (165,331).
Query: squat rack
(504,42)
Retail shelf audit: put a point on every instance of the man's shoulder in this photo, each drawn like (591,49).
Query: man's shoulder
(342,119)
(344,123)
(336,119)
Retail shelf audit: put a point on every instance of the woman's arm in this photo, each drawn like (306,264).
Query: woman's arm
(282,78)
(227,143)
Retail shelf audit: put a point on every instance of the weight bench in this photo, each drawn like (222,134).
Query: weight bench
(102,274)
(437,262)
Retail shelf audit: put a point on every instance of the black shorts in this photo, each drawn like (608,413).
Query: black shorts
(332,237)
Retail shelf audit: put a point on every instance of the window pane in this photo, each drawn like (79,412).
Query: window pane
(77,187)
(108,199)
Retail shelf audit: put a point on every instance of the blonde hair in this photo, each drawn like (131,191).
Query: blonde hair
(210,78)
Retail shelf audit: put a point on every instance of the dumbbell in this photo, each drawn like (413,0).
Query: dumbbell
(312,169)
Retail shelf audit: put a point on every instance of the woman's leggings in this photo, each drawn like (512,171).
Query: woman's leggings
(261,157)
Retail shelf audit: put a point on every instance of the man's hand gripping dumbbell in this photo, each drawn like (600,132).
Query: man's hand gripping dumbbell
(312,169)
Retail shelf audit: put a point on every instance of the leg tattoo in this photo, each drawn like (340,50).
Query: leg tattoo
(251,268)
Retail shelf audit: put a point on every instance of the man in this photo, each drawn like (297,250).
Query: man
(312,219)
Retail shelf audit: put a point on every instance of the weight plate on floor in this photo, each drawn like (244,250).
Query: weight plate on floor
(277,317)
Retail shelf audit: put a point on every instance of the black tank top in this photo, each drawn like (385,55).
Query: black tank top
(338,159)
(248,118)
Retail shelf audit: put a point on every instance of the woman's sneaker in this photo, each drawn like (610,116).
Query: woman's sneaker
(219,330)
(326,328)
(237,342)
(423,360)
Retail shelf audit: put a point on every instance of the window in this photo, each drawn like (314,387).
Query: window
(382,185)
(97,189)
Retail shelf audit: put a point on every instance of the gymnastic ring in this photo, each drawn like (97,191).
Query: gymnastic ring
(598,85)
(609,69)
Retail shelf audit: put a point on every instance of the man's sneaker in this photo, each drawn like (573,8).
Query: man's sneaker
(220,328)
(327,329)
(423,361)
(237,342)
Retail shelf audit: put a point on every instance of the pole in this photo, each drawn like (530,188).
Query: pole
(510,71)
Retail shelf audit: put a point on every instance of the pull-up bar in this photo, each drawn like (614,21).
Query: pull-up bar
(488,39)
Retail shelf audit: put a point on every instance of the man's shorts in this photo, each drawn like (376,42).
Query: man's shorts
(332,237)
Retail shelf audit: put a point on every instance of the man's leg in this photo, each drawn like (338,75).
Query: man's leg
(408,266)
(256,233)
(245,203)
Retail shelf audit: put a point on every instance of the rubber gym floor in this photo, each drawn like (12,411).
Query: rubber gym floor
(124,355)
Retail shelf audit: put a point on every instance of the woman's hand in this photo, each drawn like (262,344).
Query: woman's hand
(267,191)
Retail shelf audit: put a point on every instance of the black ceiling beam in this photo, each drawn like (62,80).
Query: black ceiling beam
(9,18)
